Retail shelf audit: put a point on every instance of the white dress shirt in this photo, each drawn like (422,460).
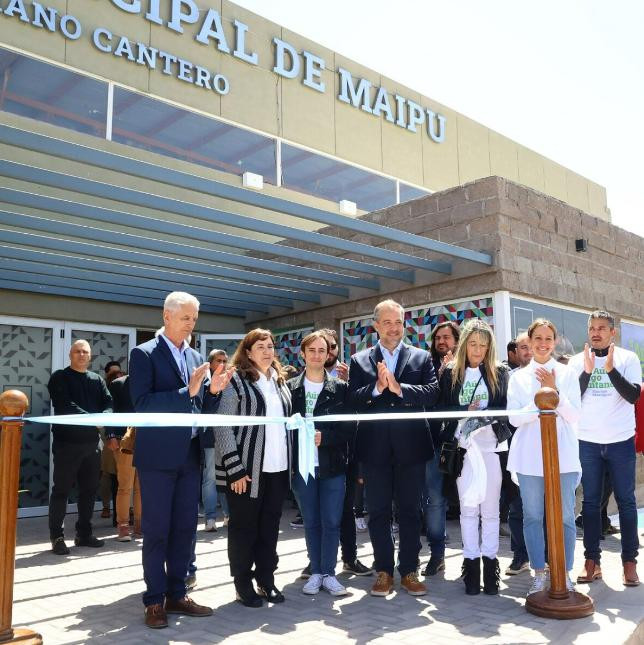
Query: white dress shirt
(525,455)
(391,361)
(179,355)
(275,450)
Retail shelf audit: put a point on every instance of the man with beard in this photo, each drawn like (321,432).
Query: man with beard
(444,340)
(610,379)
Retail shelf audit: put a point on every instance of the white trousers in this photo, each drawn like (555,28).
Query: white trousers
(488,511)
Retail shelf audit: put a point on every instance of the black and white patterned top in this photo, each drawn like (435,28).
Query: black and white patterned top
(239,451)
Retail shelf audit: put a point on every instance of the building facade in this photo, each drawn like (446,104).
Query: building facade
(152,145)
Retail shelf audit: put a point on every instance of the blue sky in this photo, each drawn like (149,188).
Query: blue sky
(565,77)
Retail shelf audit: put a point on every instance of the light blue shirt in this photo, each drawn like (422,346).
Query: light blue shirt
(179,356)
(391,361)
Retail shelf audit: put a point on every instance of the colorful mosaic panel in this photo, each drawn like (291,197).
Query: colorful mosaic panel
(25,365)
(419,322)
(288,346)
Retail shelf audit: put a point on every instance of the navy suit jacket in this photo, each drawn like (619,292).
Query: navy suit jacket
(156,385)
(393,442)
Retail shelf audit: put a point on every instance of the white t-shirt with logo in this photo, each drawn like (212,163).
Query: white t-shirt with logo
(475,390)
(606,416)
(311,392)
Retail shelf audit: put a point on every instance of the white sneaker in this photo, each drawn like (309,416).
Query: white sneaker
(570,585)
(361,525)
(331,584)
(226,518)
(538,584)
(313,584)
(210,527)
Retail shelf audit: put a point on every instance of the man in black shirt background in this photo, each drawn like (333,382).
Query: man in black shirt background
(76,390)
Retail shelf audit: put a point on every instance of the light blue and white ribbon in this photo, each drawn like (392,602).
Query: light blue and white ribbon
(305,427)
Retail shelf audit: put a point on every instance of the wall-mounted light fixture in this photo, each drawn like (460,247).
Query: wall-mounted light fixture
(581,245)
(348,208)
(251,180)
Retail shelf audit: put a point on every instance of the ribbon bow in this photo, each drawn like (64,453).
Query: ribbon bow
(305,444)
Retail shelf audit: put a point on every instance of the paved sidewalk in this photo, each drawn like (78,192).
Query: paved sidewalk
(95,596)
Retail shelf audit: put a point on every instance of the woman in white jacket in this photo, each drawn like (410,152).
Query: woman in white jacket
(525,458)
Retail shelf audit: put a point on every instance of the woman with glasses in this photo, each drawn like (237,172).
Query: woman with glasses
(253,464)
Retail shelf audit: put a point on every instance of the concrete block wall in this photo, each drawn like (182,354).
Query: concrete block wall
(531,238)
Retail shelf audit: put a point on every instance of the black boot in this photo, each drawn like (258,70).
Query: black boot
(491,576)
(471,574)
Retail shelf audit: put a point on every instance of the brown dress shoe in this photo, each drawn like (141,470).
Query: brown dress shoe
(384,584)
(155,616)
(186,607)
(631,579)
(412,585)
(591,571)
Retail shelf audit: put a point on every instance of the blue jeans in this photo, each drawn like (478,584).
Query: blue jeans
(435,508)
(321,502)
(532,492)
(515,522)
(619,459)
(209,489)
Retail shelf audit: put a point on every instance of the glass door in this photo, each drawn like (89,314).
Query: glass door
(31,350)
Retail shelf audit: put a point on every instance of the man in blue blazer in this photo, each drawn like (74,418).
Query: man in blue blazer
(393,377)
(166,375)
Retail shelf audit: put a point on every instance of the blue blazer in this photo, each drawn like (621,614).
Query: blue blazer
(393,442)
(156,385)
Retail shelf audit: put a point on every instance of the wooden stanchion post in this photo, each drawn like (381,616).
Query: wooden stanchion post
(556,602)
(13,403)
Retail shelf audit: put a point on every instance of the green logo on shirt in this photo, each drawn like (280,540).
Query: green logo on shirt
(599,380)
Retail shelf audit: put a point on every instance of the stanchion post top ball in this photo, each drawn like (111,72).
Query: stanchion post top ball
(546,398)
(13,403)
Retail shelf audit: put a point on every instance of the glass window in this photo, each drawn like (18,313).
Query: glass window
(153,125)
(572,326)
(52,94)
(314,174)
(408,192)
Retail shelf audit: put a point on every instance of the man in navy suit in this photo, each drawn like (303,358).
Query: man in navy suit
(166,375)
(393,377)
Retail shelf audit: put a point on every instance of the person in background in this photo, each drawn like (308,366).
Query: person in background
(253,464)
(519,352)
(476,380)
(610,379)
(525,460)
(321,496)
(128,481)
(76,390)
(639,422)
(108,484)
(519,355)
(218,361)
(334,366)
(444,341)
(353,509)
